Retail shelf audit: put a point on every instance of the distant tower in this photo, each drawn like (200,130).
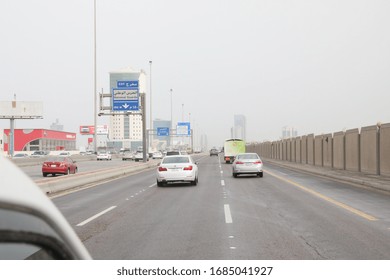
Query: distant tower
(239,129)
(57,126)
(289,132)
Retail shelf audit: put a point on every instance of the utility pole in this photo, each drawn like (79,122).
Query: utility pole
(144,132)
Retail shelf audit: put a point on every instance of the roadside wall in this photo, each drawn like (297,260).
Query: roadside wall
(384,149)
(352,144)
(365,150)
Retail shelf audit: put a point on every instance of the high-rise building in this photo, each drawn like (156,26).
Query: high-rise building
(289,132)
(239,129)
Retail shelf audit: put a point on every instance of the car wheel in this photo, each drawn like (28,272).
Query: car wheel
(75,170)
(234,175)
(195,182)
(160,184)
(260,174)
(44,174)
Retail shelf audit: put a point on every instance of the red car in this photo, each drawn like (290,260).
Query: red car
(59,165)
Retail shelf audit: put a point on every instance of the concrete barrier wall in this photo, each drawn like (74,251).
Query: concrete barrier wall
(310,149)
(369,150)
(328,150)
(339,150)
(318,151)
(352,144)
(384,149)
(304,149)
(298,151)
(293,150)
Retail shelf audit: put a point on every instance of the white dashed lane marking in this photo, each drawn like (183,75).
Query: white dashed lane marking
(96,216)
(228,215)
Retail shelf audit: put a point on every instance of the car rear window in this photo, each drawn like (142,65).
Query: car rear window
(176,160)
(55,159)
(248,157)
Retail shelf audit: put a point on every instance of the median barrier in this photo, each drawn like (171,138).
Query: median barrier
(63,183)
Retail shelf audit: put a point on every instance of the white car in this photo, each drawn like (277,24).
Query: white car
(247,163)
(104,156)
(139,156)
(177,169)
(157,155)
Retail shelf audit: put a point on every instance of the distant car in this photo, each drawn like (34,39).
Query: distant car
(177,169)
(104,156)
(140,156)
(247,163)
(20,155)
(213,152)
(157,155)
(173,153)
(38,154)
(59,165)
(65,154)
(31,227)
(128,156)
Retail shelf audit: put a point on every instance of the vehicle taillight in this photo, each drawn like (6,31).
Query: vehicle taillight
(239,162)
(162,169)
(257,162)
(188,168)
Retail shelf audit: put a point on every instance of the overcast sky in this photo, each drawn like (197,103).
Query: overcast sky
(319,66)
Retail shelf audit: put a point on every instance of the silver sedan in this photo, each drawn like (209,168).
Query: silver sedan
(247,163)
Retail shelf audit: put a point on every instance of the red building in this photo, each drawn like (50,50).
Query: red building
(40,139)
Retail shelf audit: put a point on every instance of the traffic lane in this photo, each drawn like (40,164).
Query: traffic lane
(365,202)
(35,172)
(173,222)
(79,205)
(274,220)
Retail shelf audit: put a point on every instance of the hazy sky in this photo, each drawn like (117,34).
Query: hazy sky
(320,66)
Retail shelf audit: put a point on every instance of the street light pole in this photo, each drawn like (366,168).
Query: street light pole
(94,78)
(170,133)
(150,98)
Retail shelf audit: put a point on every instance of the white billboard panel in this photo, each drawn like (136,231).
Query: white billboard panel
(21,110)
(102,129)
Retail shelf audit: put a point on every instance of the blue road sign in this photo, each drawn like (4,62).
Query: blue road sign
(125,105)
(125,99)
(127,84)
(183,128)
(162,131)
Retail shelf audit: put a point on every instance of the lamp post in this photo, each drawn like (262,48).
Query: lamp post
(170,133)
(94,78)
(150,94)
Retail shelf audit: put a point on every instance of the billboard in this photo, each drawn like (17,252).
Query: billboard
(21,110)
(102,129)
(87,129)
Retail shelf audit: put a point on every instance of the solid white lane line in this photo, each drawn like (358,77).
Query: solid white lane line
(95,216)
(228,215)
(222,182)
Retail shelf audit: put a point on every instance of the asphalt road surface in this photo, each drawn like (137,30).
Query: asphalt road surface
(284,215)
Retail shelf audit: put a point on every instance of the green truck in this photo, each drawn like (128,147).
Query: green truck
(233,147)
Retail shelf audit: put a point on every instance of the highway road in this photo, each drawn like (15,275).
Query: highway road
(284,215)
